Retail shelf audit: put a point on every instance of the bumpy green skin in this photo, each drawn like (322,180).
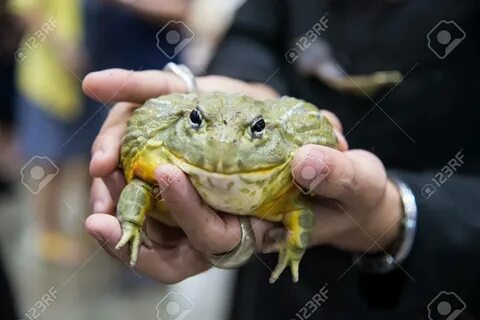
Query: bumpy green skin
(232,169)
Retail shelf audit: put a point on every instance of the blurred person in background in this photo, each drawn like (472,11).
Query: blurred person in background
(210,19)
(415,125)
(50,113)
(116,32)
(10,35)
(131,34)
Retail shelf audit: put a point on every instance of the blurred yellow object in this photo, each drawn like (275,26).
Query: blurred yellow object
(61,249)
(55,28)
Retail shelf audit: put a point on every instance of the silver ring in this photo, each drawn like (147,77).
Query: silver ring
(185,73)
(241,253)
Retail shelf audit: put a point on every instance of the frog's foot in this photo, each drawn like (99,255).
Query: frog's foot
(131,233)
(299,225)
(288,256)
(134,203)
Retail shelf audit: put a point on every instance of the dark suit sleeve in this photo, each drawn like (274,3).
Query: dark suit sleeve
(250,49)
(446,251)
(448,215)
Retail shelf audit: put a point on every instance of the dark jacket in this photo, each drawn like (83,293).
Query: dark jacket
(416,128)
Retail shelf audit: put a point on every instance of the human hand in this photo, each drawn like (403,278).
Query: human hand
(105,191)
(354,201)
(357,208)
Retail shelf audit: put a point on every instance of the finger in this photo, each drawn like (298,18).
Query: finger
(354,177)
(262,231)
(163,234)
(100,197)
(333,120)
(105,192)
(207,231)
(127,85)
(138,86)
(106,153)
(115,183)
(337,128)
(342,142)
(106,147)
(165,265)
(119,114)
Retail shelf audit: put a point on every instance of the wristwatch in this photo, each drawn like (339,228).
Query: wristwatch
(399,250)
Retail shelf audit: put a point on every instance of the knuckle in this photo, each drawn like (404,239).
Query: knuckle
(342,174)
(347,179)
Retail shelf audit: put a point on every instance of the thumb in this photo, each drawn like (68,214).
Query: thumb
(354,177)
(106,230)
(323,171)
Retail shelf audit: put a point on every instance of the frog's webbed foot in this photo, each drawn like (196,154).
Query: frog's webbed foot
(134,203)
(299,225)
(288,255)
(132,234)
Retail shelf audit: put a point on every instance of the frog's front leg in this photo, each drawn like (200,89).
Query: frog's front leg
(299,226)
(136,200)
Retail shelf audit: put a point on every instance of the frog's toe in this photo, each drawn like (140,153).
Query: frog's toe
(281,265)
(132,234)
(287,257)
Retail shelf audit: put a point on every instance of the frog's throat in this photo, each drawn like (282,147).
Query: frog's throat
(188,167)
(243,193)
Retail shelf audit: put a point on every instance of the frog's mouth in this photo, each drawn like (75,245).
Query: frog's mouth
(219,169)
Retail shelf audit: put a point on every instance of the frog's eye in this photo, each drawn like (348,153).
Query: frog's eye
(196,118)
(257,127)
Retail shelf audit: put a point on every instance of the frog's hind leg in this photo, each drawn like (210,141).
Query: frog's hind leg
(299,225)
(136,200)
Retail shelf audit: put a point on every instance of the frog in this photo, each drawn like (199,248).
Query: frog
(236,151)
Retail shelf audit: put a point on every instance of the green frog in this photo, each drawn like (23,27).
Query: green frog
(237,153)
